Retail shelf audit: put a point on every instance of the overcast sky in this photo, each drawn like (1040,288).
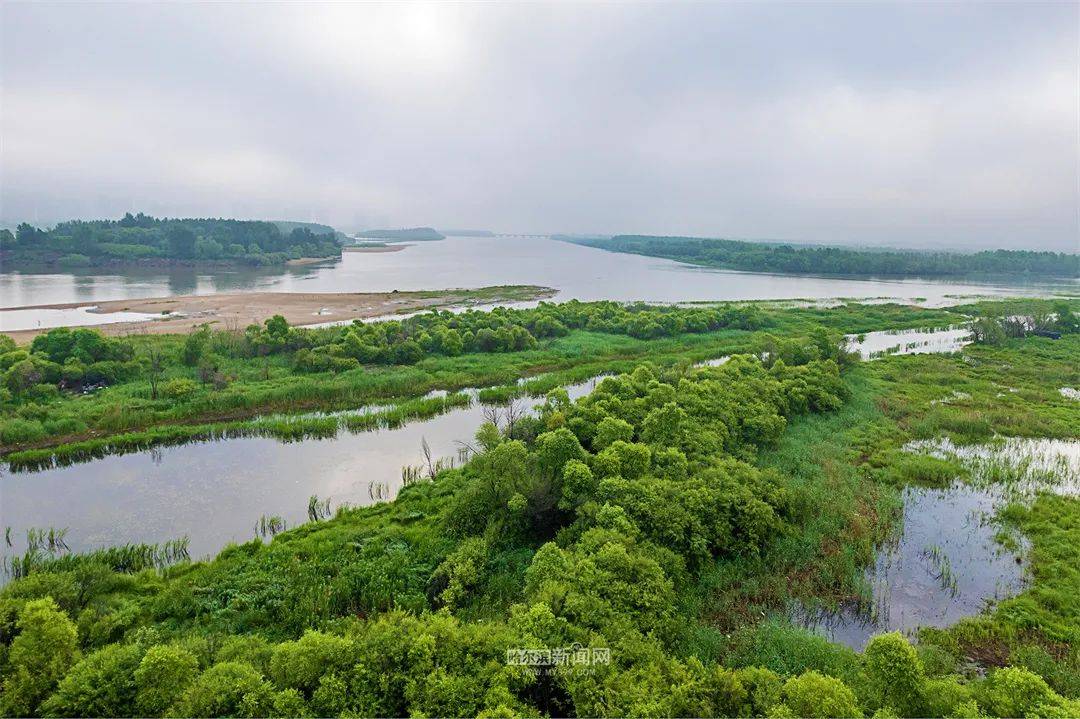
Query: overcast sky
(922,124)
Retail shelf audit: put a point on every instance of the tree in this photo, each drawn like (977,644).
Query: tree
(181,241)
(45,648)
(814,695)
(896,675)
(155,369)
(162,676)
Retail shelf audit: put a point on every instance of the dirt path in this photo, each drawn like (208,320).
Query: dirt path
(182,313)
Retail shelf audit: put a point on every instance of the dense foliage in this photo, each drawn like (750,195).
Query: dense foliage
(650,519)
(587,524)
(144,239)
(64,363)
(767,257)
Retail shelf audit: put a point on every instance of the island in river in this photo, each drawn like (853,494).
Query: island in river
(417,234)
(142,240)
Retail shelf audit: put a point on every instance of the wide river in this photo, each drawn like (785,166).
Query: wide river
(577,272)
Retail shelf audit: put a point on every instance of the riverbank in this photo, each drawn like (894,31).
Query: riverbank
(181,314)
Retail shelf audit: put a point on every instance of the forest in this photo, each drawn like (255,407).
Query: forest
(141,239)
(772,257)
(662,524)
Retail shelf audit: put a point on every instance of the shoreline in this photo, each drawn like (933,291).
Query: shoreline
(234,310)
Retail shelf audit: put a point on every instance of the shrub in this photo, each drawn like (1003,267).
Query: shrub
(74,260)
(162,675)
(815,695)
(44,650)
(226,689)
(895,674)
(179,388)
(19,431)
(300,664)
(1017,692)
(102,684)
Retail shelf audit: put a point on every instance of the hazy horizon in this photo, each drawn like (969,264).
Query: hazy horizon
(926,126)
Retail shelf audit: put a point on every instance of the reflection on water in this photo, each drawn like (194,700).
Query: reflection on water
(11,320)
(1016,467)
(583,273)
(214,492)
(946,563)
(874,345)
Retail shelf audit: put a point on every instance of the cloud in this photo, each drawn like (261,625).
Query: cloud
(878,124)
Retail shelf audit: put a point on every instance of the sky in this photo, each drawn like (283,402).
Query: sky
(909,125)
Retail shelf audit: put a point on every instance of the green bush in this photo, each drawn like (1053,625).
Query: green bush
(895,674)
(102,684)
(817,696)
(40,655)
(226,689)
(162,676)
(179,388)
(20,431)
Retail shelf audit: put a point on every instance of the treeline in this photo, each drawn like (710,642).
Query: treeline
(142,239)
(762,257)
(500,330)
(546,577)
(416,234)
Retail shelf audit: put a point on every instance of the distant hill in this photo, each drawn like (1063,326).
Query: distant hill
(468,233)
(414,234)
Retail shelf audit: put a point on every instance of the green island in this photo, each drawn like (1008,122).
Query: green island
(663,523)
(786,258)
(141,239)
(411,234)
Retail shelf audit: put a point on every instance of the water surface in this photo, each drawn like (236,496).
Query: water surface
(946,562)
(215,491)
(578,272)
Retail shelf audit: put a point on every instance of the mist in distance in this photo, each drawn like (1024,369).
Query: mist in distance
(937,125)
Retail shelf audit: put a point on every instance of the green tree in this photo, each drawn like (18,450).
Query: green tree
(40,655)
(817,696)
(162,676)
(895,673)
(181,241)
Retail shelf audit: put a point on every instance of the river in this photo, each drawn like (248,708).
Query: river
(577,272)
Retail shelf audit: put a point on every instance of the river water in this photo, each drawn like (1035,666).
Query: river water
(577,272)
(215,492)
